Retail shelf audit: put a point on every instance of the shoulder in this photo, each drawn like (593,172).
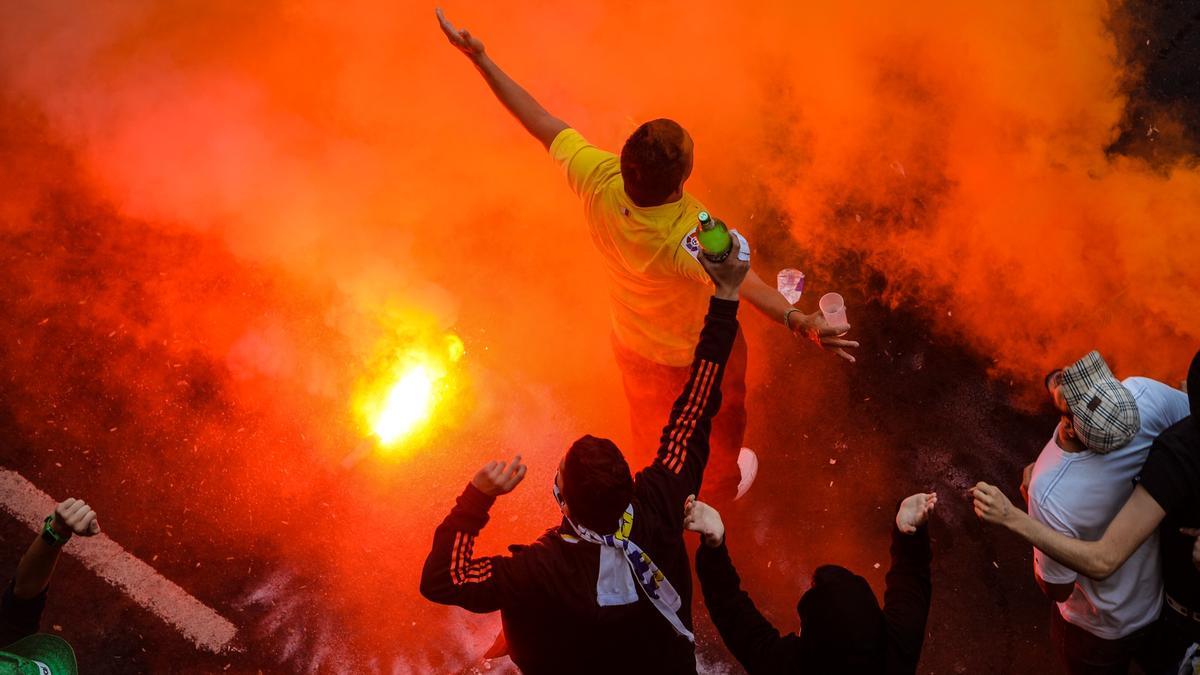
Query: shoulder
(1138,384)
(1145,389)
(1177,446)
(685,248)
(567,142)
(1049,478)
(1172,469)
(538,556)
(1048,464)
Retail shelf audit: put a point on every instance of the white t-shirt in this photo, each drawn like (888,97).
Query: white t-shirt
(1079,493)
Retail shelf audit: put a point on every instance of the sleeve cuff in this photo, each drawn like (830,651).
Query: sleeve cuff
(719,307)
(555,149)
(707,555)
(904,537)
(473,498)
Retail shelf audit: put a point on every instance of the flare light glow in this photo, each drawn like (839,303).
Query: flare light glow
(398,406)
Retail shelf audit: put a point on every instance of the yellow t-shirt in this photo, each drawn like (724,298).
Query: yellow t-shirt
(658,290)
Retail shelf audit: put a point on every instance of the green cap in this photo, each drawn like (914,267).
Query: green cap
(39,654)
(704,217)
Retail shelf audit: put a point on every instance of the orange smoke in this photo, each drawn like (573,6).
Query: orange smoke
(285,179)
(960,148)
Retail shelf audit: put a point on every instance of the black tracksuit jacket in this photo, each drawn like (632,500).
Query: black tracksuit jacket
(546,591)
(759,647)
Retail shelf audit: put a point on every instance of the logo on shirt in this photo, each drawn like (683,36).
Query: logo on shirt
(691,244)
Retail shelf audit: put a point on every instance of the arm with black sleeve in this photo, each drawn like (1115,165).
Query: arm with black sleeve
(748,635)
(906,599)
(677,470)
(451,575)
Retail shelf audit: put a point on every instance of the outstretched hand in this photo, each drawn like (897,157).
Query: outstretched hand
(814,327)
(468,44)
(702,518)
(494,479)
(914,511)
(74,516)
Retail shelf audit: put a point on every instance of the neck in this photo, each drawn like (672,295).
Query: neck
(1070,445)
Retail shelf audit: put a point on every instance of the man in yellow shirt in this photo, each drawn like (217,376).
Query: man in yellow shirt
(643,224)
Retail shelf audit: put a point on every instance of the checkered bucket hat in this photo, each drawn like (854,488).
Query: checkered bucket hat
(1106,416)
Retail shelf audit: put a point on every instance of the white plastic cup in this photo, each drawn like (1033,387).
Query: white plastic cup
(833,307)
(790,282)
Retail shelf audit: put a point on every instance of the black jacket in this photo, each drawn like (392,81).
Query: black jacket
(759,647)
(546,591)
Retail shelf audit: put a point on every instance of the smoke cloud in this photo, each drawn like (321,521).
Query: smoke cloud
(256,196)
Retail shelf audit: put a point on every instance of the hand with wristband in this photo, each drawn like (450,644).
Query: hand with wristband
(814,327)
(71,517)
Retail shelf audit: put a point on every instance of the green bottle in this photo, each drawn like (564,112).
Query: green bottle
(714,238)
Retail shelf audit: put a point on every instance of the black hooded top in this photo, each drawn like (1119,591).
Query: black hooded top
(843,628)
(546,591)
(1172,477)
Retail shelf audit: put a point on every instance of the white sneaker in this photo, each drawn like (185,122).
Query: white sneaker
(747,463)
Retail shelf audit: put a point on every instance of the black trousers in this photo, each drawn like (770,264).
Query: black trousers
(1087,654)
(1175,634)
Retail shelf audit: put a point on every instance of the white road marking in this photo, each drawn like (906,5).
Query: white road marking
(193,619)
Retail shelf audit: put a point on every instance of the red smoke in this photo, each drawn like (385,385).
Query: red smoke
(270,184)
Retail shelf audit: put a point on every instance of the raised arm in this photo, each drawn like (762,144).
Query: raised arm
(1095,559)
(536,120)
(71,517)
(909,585)
(452,576)
(25,597)
(813,326)
(748,635)
(683,448)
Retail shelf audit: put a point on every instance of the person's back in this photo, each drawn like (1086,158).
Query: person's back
(558,619)
(610,588)
(843,628)
(1171,479)
(642,223)
(1079,493)
(657,290)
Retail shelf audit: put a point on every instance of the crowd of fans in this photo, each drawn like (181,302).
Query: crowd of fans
(1113,499)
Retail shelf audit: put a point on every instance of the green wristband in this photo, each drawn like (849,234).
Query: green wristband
(50,536)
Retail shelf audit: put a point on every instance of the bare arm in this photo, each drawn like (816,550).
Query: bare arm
(771,302)
(73,516)
(1095,559)
(536,120)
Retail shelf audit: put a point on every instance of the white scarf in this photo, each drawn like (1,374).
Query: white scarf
(621,563)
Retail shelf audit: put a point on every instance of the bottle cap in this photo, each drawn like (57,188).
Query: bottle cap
(704,217)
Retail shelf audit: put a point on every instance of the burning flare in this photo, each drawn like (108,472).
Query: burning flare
(408,403)
(399,404)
